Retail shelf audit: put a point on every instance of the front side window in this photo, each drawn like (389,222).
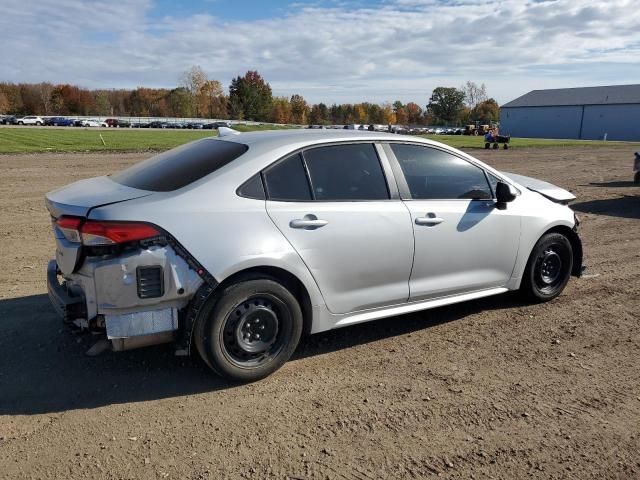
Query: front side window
(434,174)
(346,172)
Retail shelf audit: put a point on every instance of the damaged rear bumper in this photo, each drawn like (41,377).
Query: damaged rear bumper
(135,299)
(67,306)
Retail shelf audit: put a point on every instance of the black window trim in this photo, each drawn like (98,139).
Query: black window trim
(264,190)
(403,186)
(385,165)
(265,184)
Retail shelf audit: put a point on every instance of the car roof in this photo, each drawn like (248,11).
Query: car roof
(274,139)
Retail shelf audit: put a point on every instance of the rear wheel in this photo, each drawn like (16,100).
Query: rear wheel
(548,269)
(249,330)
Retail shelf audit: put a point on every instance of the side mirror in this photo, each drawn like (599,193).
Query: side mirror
(504,194)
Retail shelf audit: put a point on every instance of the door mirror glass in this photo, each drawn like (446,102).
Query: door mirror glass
(504,193)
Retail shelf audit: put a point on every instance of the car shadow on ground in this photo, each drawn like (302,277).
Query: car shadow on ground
(627,206)
(43,368)
(613,184)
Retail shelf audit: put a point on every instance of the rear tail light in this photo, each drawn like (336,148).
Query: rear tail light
(70,228)
(98,233)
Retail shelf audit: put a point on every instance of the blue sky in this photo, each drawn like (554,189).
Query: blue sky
(332,50)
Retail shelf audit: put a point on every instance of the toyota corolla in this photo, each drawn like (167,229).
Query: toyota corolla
(236,246)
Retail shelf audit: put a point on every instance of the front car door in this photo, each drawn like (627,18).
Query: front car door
(463,242)
(346,221)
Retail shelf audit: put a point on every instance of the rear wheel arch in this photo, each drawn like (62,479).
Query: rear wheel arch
(282,276)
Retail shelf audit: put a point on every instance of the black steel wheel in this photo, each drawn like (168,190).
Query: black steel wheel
(252,332)
(549,268)
(249,329)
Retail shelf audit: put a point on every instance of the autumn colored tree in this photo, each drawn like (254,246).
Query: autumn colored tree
(399,109)
(319,114)
(486,112)
(414,113)
(211,100)
(4,103)
(250,97)
(281,110)
(445,103)
(388,115)
(180,102)
(360,113)
(299,109)
(474,94)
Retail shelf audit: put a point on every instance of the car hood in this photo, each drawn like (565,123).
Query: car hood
(546,189)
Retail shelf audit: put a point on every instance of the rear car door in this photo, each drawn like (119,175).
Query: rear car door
(335,206)
(463,242)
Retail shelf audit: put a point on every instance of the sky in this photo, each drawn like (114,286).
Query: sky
(330,51)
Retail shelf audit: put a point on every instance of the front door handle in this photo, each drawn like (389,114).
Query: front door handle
(309,222)
(429,220)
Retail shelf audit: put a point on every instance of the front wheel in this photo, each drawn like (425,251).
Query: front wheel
(249,330)
(548,269)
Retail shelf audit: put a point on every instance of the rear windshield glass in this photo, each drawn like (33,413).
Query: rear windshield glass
(181,166)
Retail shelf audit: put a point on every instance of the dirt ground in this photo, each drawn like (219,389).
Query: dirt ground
(487,389)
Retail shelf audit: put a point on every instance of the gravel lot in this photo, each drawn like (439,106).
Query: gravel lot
(487,389)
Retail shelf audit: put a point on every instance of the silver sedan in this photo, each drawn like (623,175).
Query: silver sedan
(239,245)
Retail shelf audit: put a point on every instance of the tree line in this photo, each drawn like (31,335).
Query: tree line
(250,98)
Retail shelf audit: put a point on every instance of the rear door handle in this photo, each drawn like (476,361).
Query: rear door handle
(309,222)
(430,221)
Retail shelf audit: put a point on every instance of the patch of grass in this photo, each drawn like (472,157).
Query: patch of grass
(464,141)
(74,139)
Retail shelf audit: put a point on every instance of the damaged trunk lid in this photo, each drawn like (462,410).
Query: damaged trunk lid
(77,200)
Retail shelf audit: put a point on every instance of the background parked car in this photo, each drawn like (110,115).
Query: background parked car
(110,122)
(59,122)
(159,124)
(89,123)
(30,120)
(215,125)
(8,120)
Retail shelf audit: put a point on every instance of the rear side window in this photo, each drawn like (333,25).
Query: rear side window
(346,172)
(287,180)
(433,174)
(181,166)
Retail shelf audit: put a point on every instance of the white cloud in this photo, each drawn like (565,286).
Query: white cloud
(401,49)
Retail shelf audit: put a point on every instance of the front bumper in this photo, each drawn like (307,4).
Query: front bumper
(69,306)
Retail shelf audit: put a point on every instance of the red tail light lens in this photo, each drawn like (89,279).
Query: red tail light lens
(95,232)
(70,228)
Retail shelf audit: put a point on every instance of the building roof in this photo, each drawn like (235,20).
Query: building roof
(608,95)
